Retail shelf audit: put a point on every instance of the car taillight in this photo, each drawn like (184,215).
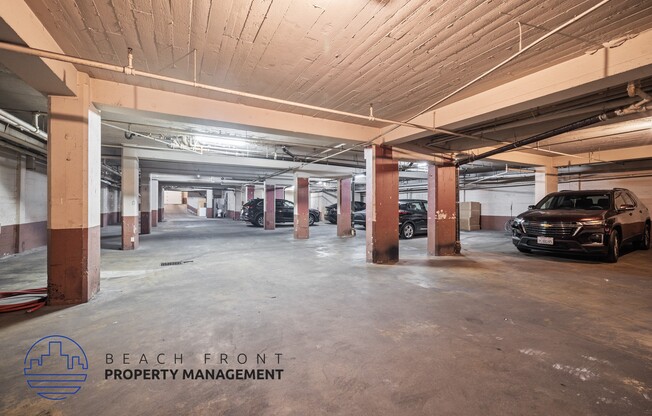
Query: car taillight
(403,212)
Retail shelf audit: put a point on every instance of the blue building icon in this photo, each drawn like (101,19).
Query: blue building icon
(55,367)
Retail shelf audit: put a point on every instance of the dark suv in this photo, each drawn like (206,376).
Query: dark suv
(584,222)
(412,217)
(253,211)
(331,211)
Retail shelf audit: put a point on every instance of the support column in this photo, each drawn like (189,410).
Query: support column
(344,228)
(161,204)
(145,222)
(130,210)
(301,208)
(105,206)
(382,205)
(153,202)
(73,197)
(442,210)
(280,193)
(250,189)
(209,203)
(237,194)
(269,204)
(545,182)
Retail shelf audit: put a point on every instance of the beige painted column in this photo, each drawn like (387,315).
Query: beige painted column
(153,202)
(301,208)
(237,194)
(130,209)
(382,205)
(209,203)
(73,197)
(161,204)
(545,182)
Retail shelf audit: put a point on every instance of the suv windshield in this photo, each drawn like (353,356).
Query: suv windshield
(598,201)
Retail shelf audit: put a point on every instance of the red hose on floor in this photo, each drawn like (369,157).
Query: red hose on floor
(28,303)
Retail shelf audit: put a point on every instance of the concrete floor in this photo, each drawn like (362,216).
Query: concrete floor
(492,332)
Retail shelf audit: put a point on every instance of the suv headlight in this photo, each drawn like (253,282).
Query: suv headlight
(518,221)
(592,223)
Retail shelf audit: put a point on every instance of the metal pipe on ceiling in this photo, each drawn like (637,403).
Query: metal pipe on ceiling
(22,125)
(636,107)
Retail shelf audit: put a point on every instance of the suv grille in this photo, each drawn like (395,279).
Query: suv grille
(555,229)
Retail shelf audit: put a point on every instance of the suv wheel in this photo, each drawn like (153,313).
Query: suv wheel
(311,220)
(260,220)
(614,247)
(644,244)
(407,231)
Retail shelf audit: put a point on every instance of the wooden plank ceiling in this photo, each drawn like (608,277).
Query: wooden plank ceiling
(400,55)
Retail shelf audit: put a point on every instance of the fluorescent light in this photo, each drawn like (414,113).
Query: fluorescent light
(222,141)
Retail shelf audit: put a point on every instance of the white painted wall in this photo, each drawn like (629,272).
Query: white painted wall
(172,197)
(504,202)
(34,197)
(196,202)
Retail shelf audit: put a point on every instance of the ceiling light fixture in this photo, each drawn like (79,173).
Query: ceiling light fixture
(222,141)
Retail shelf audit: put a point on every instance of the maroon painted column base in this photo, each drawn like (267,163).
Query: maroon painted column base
(442,211)
(270,207)
(73,265)
(209,212)
(344,228)
(130,238)
(382,205)
(161,212)
(145,225)
(301,208)
(154,218)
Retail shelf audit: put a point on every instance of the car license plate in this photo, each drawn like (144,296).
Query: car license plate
(549,241)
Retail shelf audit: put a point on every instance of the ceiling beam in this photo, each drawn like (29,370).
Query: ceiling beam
(242,162)
(606,67)
(616,155)
(200,110)
(515,156)
(19,25)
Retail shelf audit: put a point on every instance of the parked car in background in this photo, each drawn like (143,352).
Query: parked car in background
(412,217)
(331,211)
(253,211)
(584,222)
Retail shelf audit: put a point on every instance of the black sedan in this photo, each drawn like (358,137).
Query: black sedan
(253,211)
(331,211)
(412,217)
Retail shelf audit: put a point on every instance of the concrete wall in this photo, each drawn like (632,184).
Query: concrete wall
(499,204)
(109,206)
(23,204)
(195,205)
(172,197)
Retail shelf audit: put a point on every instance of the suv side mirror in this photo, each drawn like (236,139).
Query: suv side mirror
(531,206)
(626,207)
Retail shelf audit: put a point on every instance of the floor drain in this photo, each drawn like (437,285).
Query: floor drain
(175,263)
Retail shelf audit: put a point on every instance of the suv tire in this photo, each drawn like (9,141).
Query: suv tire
(644,244)
(407,231)
(259,221)
(614,247)
(311,220)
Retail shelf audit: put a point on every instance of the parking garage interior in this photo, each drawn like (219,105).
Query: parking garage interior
(134,135)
